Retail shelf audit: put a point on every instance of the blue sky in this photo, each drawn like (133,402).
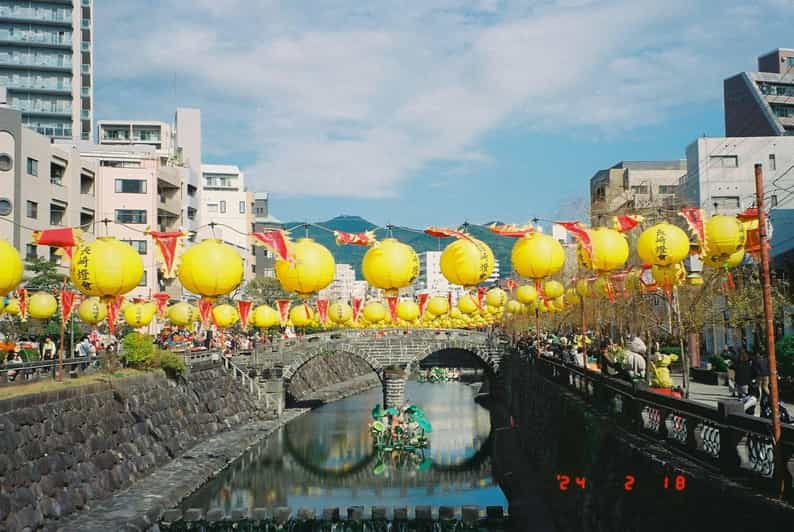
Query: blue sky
(431,113)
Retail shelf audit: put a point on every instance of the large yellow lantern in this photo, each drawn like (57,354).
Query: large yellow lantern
(663,244)
(139,314)
(92,310)
(716,261)
(537,255)
(553,289)
(437,306)
(467,262)
(265,317)
(11,268)
(211,268)
(42,305)
(340,312)
(407,310)
(224,316)
(12,307)
(725,235)
(374,312)
(106,268)
(310,268)
(180,314)
(609,250)
(495,297)
(583,287)
(467,304)
(390,265)
(526,294)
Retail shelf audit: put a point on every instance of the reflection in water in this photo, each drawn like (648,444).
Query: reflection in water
(326,459)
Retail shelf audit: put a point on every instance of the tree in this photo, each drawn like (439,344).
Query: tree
(264,290)
(45,276)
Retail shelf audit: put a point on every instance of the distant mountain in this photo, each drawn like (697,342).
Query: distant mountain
(418,240)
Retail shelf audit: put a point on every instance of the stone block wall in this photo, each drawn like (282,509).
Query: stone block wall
(326,370)
(61,450)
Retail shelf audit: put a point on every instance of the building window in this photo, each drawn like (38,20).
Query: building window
(772,162)
(191,190)
(773,200)
(144,279)
(667,189)
(137,245)
(724,161)
(725,202)
(242,207)
(640,189)
(54,257)
(30,252)
(191,213)
(129,216)
(57,213)
(253,268)
(33,167)
(222,206)
(33,209)
(212,208)
(600,194)
(131,186)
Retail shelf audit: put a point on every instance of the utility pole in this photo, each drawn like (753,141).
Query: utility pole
(770,327)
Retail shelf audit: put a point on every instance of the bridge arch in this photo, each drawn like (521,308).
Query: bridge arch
(330,349)
(481,353)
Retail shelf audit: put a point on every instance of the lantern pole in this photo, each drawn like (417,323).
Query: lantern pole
(770,330)
(59,373)
(537,331)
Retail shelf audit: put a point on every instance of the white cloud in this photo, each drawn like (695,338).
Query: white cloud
(353,99)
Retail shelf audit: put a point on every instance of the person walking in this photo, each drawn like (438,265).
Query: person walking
(760,365)
(744,373)
(48,349)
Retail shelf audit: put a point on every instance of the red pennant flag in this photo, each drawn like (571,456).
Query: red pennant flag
(627,222)
(512,231)
(283,310)
(355,239)
(449,303)
(167,244)
(275,240)
(694,218)
(67,303)
(511,285)
(443,232)
(580,233)
(205,310)
(423,303)
(161,299)
(357,302)
(392,302)
(22,296)
(481,295)
(64,238)
(322,310)
(244,308)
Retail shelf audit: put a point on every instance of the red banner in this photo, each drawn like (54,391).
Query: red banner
(354,239)
(65,238)
(322,310)
(627,222)
(244,308)
(113,313)
(749,218)
(167,245)
(283,310)
(356,302)
(512,231)
(161,299)
(580,233)
(694,218)
(274,240)
(481,295)
(392,302)
(22,296)
(422,303)
(444,232)
(67,303)
(205,310)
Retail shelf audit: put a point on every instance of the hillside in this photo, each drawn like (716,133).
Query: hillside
(501,246)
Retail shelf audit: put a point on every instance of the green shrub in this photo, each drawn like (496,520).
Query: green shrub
(784,351)
(718,363)
(670,350)
(138,350)
(169,362)
(29,355)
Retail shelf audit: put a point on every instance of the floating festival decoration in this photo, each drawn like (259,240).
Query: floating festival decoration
(106,268)
(389,266)
(309,268)
(374,312)
(403,429)
(408,311)
(12,307)
(608,250)
(496,297)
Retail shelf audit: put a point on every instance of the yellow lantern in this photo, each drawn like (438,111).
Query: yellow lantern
(301,316)
(553,289)
(583,287)
(11,269)
(559,303)
(374,312)
(407,310)
(180,314)
(467,304)
(456,314)
(224,316)
(2,304)
(495,297)
(716,261)
(211,268)
(513,307)
(571,297)
(92,310)
(601,287)
(663,244)
(12,307)
(537,255)
(139,315)
(310,268)
(42,305)
(668,276)
(694,279)
(632,281)
(340,312)
(725,235)
(467,262)
(390,265)
(437,306)
(609,250)
(526,294)
(106,268)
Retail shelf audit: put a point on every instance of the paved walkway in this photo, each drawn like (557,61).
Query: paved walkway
(707,394)
(141,505)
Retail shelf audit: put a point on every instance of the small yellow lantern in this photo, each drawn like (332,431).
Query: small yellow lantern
(663,244)
(42,306)
(513,307)
(407,310)
(495,297)
(265,317)
(717,261)
(310,268)
(725,235)
(526,294)
(437,306)
(340,312)
(211,268)
(12,307)
(11,269)
(390,265)
(374,312)
(106,268)
(571,297)
(553,289)
(180,314)
(224,316)
(467,304)
(583,287)
(301,316)
(92,310)
(558,303)
(609,250)
(669,276)
(467,262)
(139,314)
(537,255)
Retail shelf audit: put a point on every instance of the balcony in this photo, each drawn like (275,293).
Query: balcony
(43,111)
(169,177)
(32,39)
(85,24)
(16,62)
(85,115)
(85,3)
(85,69)
(42,18)
(37,88)
(85,46)
(85,92)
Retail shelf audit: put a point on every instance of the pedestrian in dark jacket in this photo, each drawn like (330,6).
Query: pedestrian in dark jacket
(744,373)
(761,373)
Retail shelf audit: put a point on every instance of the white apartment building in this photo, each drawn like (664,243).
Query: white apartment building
(431,281)
(158,135)
(343,287)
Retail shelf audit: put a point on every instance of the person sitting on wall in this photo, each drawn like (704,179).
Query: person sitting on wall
(635,358)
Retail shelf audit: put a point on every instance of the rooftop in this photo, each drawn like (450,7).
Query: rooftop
(224,169)
(679,164)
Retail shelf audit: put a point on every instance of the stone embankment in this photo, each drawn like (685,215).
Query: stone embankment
(62,451)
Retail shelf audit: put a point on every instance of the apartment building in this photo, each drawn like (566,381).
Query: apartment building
(431,280)
(263,221)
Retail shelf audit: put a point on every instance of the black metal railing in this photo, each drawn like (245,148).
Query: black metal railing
(25,372)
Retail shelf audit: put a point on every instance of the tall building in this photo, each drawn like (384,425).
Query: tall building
(263,221)
(431,280)
(343,287)
(632,186)
(42,185)
(761,104)
(46,64)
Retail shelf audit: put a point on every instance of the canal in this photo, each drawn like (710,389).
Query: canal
(326,459)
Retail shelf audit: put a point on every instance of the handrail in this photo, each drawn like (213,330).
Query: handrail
(245,380)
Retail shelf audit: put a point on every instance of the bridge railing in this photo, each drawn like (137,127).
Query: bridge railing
(378,334)
(737,445)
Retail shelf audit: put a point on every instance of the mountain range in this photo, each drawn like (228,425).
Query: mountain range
(415,238)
